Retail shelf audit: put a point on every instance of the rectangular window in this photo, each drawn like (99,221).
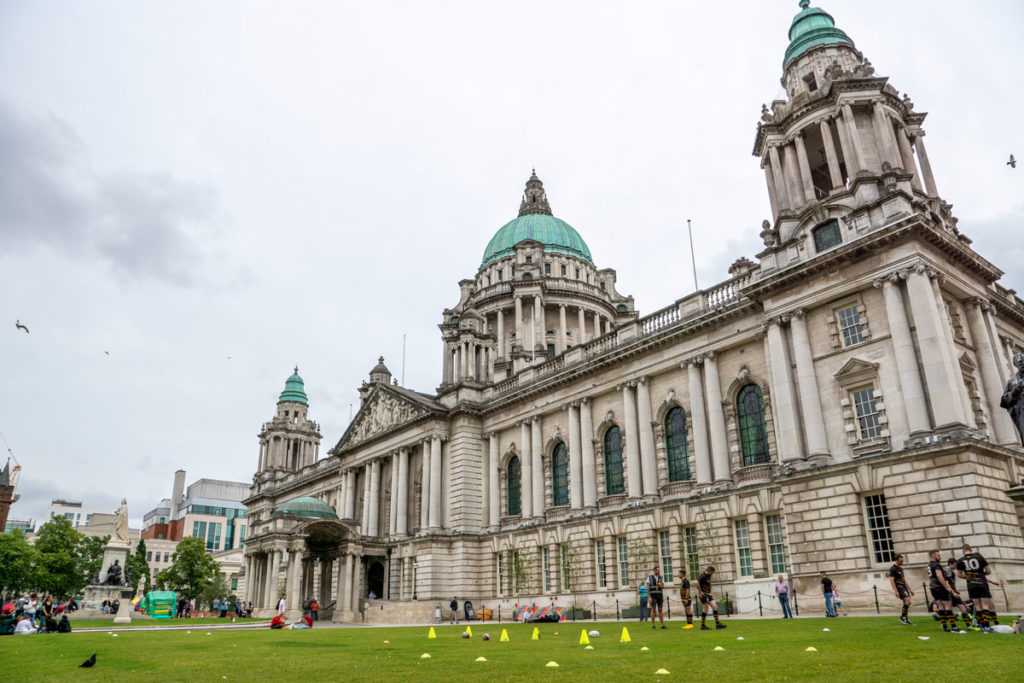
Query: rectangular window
(501,275)
(776,554)
(826,235)
(501,574)
(877,517)
(199,529)
(563,270)
(167,557)
(602,570)
(566,579)
(743,547)
(547,269)
(577,273)
(529,259)
(149,555)
(863,400)
(692,551)
(234,584)
(665,544)
(623,562)
(850,329)
(546,555)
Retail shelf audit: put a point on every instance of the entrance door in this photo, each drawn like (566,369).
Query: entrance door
(375,579)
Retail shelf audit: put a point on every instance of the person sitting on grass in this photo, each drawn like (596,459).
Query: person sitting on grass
(64,626)
(307,621)
(278,621)
(24,626)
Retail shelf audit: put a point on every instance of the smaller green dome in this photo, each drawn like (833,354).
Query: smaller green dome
(811,27)
(305,506)
(294,390)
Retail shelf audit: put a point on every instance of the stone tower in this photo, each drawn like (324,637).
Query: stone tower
(291,440)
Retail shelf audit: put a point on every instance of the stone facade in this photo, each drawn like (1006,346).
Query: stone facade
(830,405)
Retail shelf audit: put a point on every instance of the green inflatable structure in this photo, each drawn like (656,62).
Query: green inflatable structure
(159,604)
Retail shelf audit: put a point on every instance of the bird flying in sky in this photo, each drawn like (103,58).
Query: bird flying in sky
(19,326)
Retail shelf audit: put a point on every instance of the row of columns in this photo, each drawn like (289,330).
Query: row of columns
(710,441)
(313,576)
(787,169)
(287,452)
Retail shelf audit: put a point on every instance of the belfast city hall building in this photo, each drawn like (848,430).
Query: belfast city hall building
(829,405)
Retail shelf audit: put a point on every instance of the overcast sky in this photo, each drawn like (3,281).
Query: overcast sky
(303,183)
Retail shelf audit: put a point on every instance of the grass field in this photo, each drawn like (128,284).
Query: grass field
(855,649)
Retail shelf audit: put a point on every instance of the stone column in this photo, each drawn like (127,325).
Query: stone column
(350,494)
(835,176)
(494,495)
(582,326)
(292,578)
(575,458)
(375,498)
(938,373)
(425,487)
(435,483)
(393,497)
(698,418)
(272,594)
(846,146)
(1002,426)
(716,420)
(926,167)
(648,455)
(538,468)
(563,331)
(805,168)
(538,326)
(519,322)
(587,453)
(792,175)
(525,470)
(883,132)
(907,154)
(364,521)
(952,356)
(632,440)
(339,588)
(807,380)
(906,357)
(773,198)
(854,135)
(784,406)
(501,355)
(781,188)
(402,510)
(345,596)
(597,325)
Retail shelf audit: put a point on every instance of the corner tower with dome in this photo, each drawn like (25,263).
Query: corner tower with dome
(824,407)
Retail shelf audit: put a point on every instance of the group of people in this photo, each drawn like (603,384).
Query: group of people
(310,613)
(32,615)
(978,611)
(651,594)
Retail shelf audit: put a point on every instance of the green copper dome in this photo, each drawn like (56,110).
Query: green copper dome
(294,390)
(535,222)
(813,26)
(306,506)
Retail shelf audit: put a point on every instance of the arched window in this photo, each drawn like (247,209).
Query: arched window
(560,475)
(613,480)
(753,434)
(676,447)
(513,479)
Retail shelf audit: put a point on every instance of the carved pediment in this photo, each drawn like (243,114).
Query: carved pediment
(383,411)
(856,370)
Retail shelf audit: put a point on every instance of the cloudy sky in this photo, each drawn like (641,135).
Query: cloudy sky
(212,193)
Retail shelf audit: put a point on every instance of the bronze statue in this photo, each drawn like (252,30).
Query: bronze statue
(1012,400)
(114,574)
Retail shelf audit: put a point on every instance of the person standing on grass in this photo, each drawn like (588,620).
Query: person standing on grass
(837,602)
(655,588)
(684,596)
(782,591)
(942,592)
(641,594)
(454,607)
(281,604)
(975,569)
(899,586)
(826,591)
(45,612)
(958,602)
(707,600)
(31,606)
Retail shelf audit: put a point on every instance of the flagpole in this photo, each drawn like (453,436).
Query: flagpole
(693,258)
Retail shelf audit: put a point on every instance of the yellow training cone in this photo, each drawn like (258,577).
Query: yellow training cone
(431,634)
(504,636)
(811,649)
(719,649)
(584,640)
(625,635)
(536,634)
(469,630)
(480,659)
(424,656)
(661,672)
(644,649)
(552,665)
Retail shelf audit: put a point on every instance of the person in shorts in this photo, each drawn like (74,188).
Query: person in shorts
(655,592)
(942,592)
(900,588)
(966,607)
(975,570)
(684,596)
(707,600)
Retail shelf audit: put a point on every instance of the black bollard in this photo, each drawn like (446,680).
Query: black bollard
(760,609)
(878,609)
(617,617)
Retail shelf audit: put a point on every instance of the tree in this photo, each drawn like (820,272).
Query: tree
(91,554)
(138,567)
(217,589)
(17,558)
(60,568)
(192,568)
(641,558)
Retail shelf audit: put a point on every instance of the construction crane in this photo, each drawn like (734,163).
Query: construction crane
(16,470)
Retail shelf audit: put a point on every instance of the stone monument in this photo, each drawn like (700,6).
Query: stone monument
(113,580)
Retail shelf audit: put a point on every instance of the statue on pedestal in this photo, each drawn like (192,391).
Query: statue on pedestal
(121,522)
(1013,397)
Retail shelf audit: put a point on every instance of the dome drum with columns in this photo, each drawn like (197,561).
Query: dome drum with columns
(789,419)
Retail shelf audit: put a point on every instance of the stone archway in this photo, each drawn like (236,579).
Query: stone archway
(375,578)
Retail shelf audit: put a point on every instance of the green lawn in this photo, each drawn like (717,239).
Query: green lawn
(855,649)
(140,622)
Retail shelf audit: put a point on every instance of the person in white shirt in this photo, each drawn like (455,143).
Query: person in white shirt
(281,605)
(24,626)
